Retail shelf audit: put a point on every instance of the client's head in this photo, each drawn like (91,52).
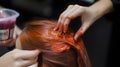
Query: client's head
(41,35)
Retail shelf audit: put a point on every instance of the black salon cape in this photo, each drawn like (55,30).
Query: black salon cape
(3,50)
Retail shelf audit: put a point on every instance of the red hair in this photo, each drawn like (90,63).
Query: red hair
(40,35)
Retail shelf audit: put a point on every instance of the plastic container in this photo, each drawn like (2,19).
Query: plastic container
(7,23)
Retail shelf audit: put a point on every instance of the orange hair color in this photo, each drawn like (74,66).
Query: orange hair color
(40,35)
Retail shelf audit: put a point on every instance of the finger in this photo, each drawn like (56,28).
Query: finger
(17,30)
(59,20)
(66,24)
(68,8)
(65,20)
(60,29)
(27,54)
(68,16)
(34,65)
(64,15)
(81,30)
(30,63)
(62,19)
(57,25)
(14,33)
(78,34)
(77,11)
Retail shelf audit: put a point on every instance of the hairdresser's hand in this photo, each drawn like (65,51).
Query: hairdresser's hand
(19,58)
(88,16)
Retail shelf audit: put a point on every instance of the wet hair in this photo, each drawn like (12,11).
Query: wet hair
(40,34)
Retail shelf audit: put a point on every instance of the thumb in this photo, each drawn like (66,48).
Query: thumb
(28,54)
(81,31)
(34,65)
(78,34)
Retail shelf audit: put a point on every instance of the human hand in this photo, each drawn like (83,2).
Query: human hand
(88,16)
(20,58)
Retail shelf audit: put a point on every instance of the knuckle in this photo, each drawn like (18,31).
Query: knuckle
(76,5)
(63,16)
(81,8)
(70,6)
(70,17)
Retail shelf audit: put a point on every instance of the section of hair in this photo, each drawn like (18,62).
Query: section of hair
(58,50)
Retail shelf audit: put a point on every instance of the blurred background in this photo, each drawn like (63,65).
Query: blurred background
(100,39)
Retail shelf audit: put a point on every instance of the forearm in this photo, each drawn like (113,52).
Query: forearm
(102,7)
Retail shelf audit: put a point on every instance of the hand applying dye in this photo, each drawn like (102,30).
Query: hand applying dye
(88,16)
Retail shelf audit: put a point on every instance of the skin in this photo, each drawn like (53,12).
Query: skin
(11,42)
(54,47)
(19,58)
(88,15)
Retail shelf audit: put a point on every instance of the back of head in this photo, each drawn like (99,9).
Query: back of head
(40,35)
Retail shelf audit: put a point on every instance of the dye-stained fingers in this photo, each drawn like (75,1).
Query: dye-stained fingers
(61,19)
(70,13)
(82,30)
(78,34)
